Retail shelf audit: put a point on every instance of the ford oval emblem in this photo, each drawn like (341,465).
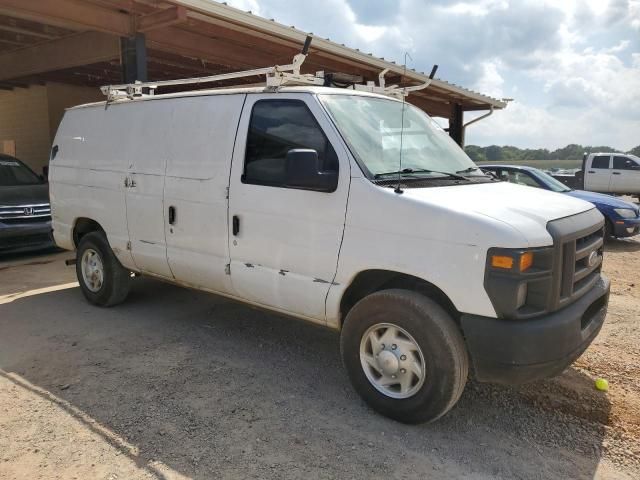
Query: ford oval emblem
(593,258)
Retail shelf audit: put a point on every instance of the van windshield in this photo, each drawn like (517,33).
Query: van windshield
(372,128)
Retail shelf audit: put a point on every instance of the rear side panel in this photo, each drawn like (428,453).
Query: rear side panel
(86,176)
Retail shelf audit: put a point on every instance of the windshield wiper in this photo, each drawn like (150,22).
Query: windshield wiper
(421,170)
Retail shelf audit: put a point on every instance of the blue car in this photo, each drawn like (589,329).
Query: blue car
(622,218)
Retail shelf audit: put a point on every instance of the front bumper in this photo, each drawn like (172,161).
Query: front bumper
(520,351)
(25,237)
(626,227)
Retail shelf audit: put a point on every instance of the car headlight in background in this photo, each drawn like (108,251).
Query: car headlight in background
(626,212)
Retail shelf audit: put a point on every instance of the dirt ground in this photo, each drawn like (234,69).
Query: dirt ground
(181,384)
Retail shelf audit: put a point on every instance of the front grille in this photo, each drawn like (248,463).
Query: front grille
(582,265)
(29,213)
(578,245)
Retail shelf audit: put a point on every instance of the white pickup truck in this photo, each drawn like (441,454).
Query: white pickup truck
(617,173)
(292,199)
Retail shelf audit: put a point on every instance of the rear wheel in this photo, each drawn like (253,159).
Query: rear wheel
(103,280)
(404,355)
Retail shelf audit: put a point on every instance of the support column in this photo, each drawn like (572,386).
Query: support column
(133,51)
(456,124)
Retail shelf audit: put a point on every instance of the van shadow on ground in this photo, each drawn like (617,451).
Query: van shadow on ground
(209,386)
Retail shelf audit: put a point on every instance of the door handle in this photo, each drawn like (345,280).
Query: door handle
(591,171)
(172,215)
(236,225)
(615,173)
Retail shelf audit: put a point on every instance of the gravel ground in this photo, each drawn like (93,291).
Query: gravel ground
(181,384)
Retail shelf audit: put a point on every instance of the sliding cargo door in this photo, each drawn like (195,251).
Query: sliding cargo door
(201,139)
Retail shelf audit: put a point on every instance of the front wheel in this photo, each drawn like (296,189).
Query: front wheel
(103,280)
(404,355)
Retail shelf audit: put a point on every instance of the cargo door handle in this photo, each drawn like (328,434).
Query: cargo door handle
(236,225)
(615,173)
(172,215)
(591,171)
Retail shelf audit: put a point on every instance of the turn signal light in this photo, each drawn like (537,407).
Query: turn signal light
(526,260)
(502,261)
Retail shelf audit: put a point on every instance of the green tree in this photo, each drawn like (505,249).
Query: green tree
(635,151)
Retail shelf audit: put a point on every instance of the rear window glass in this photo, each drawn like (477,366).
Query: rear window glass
(600,161)
(14,173)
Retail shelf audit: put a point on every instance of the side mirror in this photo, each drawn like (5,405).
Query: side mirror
(302,170)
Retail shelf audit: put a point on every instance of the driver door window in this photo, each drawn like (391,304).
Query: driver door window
(276,127)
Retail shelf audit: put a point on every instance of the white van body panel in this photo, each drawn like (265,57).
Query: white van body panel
(442,234)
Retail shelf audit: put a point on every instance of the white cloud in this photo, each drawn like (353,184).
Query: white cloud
(572,65)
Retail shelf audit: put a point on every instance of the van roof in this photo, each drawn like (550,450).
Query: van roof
(238,90)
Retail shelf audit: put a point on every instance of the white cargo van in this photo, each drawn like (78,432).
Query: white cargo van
(348,209)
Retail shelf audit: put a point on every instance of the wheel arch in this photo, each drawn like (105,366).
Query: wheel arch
(82,226)
(367,282)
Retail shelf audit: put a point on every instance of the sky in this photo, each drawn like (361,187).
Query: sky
(571,66)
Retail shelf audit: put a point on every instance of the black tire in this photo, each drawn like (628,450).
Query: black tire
(116,279)
(608,230)
(437,335)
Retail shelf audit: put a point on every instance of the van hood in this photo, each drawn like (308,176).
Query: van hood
(526,209)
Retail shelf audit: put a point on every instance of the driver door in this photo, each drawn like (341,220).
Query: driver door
(284,242)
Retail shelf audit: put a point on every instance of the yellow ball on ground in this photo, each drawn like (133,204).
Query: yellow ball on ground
(602,385)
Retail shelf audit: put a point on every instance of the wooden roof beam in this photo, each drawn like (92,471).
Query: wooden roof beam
(73,14)
(162,18)
(68,52)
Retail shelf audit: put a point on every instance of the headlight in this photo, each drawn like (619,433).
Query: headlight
(519,281)
(626,212)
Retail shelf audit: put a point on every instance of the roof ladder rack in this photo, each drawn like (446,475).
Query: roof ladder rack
(277,76)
